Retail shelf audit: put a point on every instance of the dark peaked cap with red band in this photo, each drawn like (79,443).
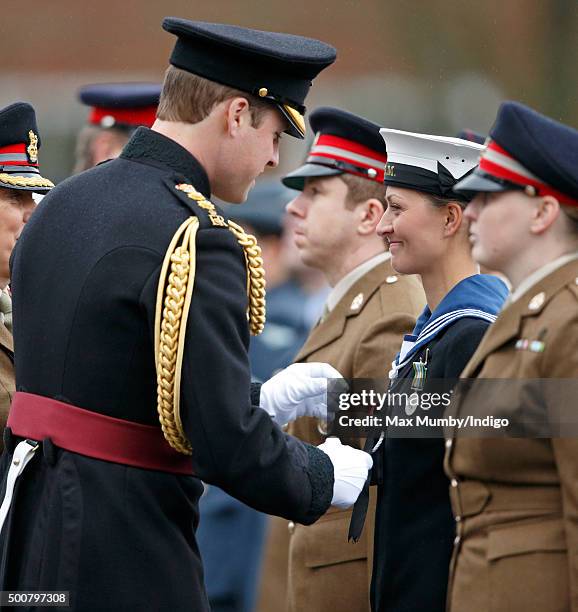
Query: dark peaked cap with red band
(527,150)
(344,143)
(19,145)
(125,105)
(278,68)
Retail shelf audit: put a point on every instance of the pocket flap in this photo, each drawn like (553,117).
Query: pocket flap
(545,535)
(327,541)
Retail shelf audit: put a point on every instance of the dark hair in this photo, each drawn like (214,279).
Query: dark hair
(439,202)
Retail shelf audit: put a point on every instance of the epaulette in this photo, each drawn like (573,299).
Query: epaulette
(174,294)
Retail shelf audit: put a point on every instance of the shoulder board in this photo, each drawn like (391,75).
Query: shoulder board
(196,202)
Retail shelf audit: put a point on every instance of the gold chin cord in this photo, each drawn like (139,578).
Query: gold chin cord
(25,181)
(174,294)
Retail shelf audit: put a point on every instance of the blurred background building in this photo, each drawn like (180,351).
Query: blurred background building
(427,65)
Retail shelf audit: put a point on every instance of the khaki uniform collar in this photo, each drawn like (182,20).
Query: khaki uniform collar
(350,305)
(530,304)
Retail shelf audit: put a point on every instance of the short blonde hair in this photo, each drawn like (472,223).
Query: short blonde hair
(190,98)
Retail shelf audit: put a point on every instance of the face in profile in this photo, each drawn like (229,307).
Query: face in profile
(16,206)
(322,222)
(252,149)
(499,227)
(414,230)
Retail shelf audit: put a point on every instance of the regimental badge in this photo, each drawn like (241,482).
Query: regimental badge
(389,170)
(32,147)
(420,373)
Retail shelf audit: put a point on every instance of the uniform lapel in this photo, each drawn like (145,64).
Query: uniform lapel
(333,326)
(530,304)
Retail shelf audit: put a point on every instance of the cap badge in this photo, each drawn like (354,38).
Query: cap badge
(389,170)
(263,92)
(33,147)
(357,302)
(391,279)
(537,301)
(530,190)
(107,121)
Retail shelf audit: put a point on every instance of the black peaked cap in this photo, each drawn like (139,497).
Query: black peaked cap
(19,145)
(276,67)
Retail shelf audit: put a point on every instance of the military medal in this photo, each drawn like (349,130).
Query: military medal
(420,373)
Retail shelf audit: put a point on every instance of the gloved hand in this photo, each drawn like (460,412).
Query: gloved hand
(350,467)
(298,390)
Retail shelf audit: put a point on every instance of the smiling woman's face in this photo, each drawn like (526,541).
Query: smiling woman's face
(414,228)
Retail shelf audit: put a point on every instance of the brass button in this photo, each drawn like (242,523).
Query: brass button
(263,92)
(291,527)
(391,279)
(458,518)
(16,461)
(537,301)
(454,483)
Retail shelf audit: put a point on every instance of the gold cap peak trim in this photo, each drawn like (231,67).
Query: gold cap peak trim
(296,117)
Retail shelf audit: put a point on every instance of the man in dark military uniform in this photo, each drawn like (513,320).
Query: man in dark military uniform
(116,110)
(136,268)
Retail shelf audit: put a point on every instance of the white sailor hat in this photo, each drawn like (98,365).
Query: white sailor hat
(432,164)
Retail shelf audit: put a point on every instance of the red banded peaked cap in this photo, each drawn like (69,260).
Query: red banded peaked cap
(530,151)
(19,146)
(127,105)
(344,143)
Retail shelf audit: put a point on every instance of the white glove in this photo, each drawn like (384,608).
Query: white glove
(350,467)
(298,390)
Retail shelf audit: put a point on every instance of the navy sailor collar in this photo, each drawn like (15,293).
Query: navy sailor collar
(480,297)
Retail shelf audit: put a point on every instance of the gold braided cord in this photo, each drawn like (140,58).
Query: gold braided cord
(255,278)
(173,303)
(25,181)
(174,295)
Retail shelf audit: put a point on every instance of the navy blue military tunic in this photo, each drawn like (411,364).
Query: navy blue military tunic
(84,278)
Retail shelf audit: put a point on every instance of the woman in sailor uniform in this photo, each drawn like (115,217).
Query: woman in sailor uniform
(516,500)
(427,234)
